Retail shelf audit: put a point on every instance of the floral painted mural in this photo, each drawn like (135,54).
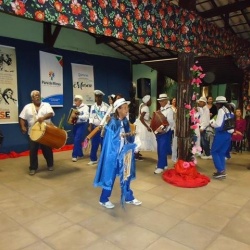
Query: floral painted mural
(157,23)
(151,22)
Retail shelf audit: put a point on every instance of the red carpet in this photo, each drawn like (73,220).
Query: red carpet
(185,175)
(13,154)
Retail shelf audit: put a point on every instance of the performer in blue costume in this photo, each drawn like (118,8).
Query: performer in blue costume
(117,157)
(222,138)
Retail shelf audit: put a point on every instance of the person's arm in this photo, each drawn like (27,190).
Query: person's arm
(45,117)
(219,120)
(84,113)
(143,121)
(23,125)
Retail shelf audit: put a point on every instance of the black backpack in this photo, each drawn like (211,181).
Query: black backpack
(229,122)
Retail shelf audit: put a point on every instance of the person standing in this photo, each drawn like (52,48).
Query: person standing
(163,137)
(222,138)
(143,130)
(240,128)
(174,137)
(212,108)
(97,113)
(117,157)
(204,123)
(80,127)
(37,111)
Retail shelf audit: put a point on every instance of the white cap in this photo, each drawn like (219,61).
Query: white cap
(111,96)
(146,98)
(119,102)
(202,99)
(98,92)
(78,97)
(162,97)
(220,99)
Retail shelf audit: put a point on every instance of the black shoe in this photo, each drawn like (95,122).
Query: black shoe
(50,168)
(219,175)
(32,172)
(139,158)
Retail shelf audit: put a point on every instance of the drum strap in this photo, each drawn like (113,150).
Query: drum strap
(34,112)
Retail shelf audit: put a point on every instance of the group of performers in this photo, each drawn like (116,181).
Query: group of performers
(110,128)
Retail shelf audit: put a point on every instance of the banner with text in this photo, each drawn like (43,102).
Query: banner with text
(8,85)
(51,78)
(83,82)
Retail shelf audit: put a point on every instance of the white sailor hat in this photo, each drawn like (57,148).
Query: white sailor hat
(78,97)
(98,92)
(162,97)
(220,99)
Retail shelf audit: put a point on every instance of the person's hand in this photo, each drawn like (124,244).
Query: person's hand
(212,122)
(90,127)
(40,119)
(24,130)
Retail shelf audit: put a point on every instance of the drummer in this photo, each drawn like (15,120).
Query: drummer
(163,137)
(37,111)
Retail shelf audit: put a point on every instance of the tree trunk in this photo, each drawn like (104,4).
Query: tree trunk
(184,93)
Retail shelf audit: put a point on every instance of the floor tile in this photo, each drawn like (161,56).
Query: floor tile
(60,210)
(195,237)
(74,237)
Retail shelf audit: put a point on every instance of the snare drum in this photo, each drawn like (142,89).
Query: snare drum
(48,134)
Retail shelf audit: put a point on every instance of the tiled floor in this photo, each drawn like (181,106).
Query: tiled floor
(60,210)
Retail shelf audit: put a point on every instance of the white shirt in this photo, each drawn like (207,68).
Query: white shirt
(83,116)
(167,111)
(30,114)
(205,118)
(97,113)
(220,119)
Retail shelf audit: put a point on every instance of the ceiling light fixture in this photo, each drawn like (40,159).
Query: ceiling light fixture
(160,60)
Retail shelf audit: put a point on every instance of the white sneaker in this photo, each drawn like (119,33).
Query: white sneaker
(74,159)
(166,167)
(80,157)
(204,157)
(107,204)
(158,171)
(134,202)
(92,162)
(210,157)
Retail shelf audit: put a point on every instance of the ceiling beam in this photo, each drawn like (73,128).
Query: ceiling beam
(226,9)
(49,37)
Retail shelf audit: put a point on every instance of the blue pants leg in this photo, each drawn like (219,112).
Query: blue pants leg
(107,193)
(163,148)
(96,140)
(79,131)
(220,146)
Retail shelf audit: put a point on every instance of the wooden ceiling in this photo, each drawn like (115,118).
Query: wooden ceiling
(232,15)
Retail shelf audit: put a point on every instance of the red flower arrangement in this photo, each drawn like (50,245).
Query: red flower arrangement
(185,173)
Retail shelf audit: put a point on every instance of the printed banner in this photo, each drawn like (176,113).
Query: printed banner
(83,82)
(8,85)
(51,78)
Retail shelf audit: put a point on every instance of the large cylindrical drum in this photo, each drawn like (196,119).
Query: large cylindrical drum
(48,134)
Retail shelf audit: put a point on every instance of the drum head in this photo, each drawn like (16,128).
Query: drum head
(37,131)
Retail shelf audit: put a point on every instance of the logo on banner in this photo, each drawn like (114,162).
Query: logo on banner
(51,75)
